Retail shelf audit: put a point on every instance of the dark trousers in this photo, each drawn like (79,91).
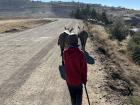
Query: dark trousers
(76,94)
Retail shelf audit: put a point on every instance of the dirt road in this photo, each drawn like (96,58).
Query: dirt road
(29,66)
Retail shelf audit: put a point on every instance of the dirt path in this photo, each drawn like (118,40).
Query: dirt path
(29,68)
(29,63)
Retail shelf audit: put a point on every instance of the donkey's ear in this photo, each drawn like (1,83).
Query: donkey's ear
(79,27)
(71,29)
(66,28)
(83,27)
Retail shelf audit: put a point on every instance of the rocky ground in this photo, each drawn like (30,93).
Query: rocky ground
(110,79)
(30,65)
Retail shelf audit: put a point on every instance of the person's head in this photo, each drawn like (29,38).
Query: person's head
(73,40)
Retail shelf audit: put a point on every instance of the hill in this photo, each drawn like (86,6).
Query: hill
(14,4)
(28,8)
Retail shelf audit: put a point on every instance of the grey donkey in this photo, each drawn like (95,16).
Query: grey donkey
(63,39)
(83,35)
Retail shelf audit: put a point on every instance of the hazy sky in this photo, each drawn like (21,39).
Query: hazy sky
(134,4)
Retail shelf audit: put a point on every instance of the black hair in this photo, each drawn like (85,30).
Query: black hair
(73,40)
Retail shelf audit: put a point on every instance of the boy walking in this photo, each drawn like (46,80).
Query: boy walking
(76,70)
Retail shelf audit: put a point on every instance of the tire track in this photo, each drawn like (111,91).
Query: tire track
(9,58)
(9,87)
(55,91)
(25,35)
(52,87)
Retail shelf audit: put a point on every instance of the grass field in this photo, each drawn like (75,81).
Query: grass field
(17,25)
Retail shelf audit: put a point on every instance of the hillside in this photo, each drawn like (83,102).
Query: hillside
(121,81)
(27,8)
(14,4)
(33,9)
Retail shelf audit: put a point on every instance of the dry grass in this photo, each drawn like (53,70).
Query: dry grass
(17,25)
(102,35)
(117,53)
(133,100)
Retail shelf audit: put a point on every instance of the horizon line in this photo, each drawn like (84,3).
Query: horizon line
(91,4)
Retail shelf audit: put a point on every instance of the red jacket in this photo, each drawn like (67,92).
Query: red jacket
(75,66)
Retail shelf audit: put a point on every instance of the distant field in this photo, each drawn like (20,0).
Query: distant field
(17,25)
(36,13)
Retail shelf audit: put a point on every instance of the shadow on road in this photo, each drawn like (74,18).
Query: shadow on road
(62,71)
(89,59)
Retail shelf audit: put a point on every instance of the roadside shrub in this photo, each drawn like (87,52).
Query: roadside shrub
(86,12)
(105,18)
(77,14)
(134,48)
(93,13)
(81,13)
(138,15)
(119,31)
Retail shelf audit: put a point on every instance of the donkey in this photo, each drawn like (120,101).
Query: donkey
(63,40)
(83,35)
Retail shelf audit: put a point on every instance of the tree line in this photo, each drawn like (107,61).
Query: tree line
(89,12)
(118,29)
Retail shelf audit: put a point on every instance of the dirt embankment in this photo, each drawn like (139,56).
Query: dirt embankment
(11,26)
(123,79)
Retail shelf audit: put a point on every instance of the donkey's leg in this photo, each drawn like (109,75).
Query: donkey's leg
(85,40)
(82,43)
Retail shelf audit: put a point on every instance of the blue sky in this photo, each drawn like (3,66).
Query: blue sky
(132,4)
